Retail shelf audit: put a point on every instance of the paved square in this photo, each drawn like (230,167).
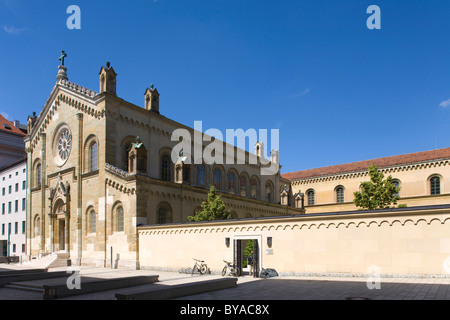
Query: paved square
(277,288)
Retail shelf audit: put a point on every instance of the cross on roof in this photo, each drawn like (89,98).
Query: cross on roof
(63,55)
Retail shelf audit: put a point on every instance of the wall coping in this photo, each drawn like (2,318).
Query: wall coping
(358,214)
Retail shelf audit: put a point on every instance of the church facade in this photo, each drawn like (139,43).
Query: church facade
(99,167)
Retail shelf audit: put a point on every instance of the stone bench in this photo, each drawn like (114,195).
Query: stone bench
(18,277)
(5,272)
(90,285)
(164,292)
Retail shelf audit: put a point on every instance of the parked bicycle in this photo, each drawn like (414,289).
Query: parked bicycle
(200,267)
(231,268)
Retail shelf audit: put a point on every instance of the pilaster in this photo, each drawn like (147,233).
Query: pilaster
(43,182)
(79,187)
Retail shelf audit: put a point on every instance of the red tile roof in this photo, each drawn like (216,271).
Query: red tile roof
(13,128)
(364,165)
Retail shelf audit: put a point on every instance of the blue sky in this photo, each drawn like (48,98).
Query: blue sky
(337,91)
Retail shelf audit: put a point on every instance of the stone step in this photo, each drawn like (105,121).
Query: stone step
(20,277)
(62,255)
(164,292)
(30,288)
(26,285)
(59,263)
(92,284)
(21,271)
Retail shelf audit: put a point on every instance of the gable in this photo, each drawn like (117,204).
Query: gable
(64,92)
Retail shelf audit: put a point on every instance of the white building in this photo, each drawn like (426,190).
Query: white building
(13,208)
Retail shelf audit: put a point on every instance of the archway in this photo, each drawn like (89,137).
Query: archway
(59,226)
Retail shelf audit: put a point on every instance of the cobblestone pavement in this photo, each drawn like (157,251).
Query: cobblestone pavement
(277,288)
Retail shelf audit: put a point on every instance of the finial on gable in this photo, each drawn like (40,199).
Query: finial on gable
(152,99)
(62,72)
(108,79)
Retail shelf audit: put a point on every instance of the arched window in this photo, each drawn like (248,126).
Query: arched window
(164,213)
(201,178)
(38,175)
(435,185)
(92,221)
(125,159)
(37,226)
(244,186)
(165,167)
(396,183)
(311,197)
(162,216)
(269,192)
(217,179)
(93,156)
(340,194)
(231,181)
(120,219)
(254,188)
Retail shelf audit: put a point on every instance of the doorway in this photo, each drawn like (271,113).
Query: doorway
(62,235)
(3,248)
(242,247)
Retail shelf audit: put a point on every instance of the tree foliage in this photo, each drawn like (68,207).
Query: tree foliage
(212,209)
(249,248)
(376,193)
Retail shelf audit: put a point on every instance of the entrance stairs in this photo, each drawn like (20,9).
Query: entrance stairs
(53,260)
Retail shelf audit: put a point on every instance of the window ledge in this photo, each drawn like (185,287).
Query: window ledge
(90,174)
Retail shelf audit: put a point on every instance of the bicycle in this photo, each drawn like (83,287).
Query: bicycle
(200,267)
(232,268)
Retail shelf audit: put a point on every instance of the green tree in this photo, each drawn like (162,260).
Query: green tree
(376,193)
(249,248)
(212,209)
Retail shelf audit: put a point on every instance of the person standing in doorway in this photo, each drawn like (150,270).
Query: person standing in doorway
(250,262)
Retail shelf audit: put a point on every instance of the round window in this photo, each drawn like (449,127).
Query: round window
(62,146)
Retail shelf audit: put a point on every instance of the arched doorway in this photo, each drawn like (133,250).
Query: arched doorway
(59,226)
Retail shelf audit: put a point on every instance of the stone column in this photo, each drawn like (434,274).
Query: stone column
(52,227)
(67,225)
(80,186)
(43,175)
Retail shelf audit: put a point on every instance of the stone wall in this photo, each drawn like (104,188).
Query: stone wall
(413,241)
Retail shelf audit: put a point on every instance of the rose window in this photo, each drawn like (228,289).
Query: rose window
(64,144)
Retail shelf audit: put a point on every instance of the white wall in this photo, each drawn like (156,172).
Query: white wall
(10,177)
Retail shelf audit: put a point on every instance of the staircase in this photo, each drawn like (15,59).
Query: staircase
(54,260)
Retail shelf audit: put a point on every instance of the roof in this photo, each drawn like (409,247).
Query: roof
(23,160)
(8,126)
(404,159)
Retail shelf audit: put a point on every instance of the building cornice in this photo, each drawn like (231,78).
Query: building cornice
(364,173)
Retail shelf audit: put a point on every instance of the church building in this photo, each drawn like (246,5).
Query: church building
(99,167)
